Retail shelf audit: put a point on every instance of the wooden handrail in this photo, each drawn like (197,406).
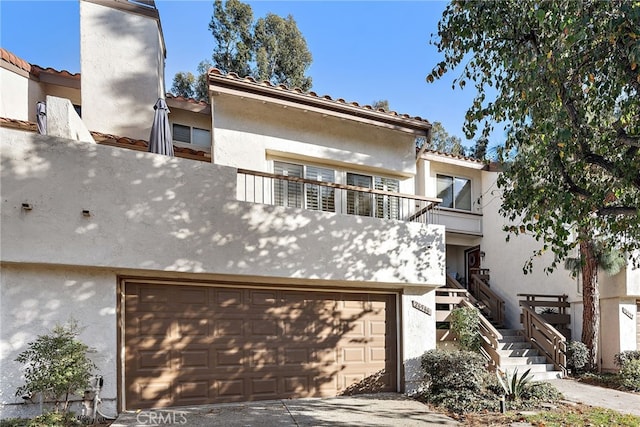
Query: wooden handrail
(483,293)
(545,337)
(490,336)
(456,297)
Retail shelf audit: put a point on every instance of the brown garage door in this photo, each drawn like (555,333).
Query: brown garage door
(189,345)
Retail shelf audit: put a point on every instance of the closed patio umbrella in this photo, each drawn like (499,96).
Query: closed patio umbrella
(41,117)
(160,139)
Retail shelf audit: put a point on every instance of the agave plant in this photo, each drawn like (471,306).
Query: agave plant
(513,385)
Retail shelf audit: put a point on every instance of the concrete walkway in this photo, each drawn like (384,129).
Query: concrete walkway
(574,391)
(384,409)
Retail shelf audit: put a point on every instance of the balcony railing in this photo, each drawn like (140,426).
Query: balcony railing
(282,190)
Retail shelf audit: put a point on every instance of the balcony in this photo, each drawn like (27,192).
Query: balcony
(458,221)
(295,192)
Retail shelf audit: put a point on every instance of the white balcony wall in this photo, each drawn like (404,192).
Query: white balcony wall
(153,212)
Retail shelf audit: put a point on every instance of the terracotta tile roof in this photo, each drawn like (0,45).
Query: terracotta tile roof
(12,59)
(454,156)
(169,95)
(112,140)
(34,69)
(217,74)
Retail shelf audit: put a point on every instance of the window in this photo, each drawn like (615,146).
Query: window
(359,203)
(304,195)
(455,192)
(368,204)
(191,135)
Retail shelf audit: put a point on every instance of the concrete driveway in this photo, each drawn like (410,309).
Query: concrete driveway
(383,409)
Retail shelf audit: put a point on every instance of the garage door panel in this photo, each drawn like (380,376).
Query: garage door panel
(212,344)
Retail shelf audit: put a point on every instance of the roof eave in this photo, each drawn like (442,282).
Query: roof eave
(291,98)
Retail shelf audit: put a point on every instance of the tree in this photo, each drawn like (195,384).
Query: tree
(281,52)
(565,76)
(231,28)
(201,85)
(479,150)
(272,49)
(183,84)
(57,365)
(443,142)
(381,104)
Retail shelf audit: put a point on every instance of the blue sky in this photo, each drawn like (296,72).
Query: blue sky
(362,51)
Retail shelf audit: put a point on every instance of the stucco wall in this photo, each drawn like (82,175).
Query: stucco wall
(247,131)
(153,212)
(506,259)
(36,298)
(19,95)
(418,334)
(121,73)
(151,215)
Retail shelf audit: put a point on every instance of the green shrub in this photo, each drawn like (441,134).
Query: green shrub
(577,356)
(453,370)
(57,365)
(49,419)
(464,401)
(630,374)
(464,323)
(621,358)
(541,392)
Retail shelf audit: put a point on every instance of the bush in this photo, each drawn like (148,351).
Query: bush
(577,356)
(453,370)
(57,365)
(630,374)
(49,419)
(541,392)
(464,323)
(620,358)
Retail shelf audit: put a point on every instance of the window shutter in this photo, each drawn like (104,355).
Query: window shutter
(287,193)
(181,133)
(359,203)
(319,197)
(387,207)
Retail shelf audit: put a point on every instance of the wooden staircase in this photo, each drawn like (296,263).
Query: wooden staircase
(516,352)
(507,349)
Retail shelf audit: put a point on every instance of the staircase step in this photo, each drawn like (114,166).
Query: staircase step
(518,352)
(509,332)
(514,345)
(508,362)
(511,338)
(548,375)
(540,367)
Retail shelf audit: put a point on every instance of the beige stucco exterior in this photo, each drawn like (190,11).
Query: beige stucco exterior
(122,60)
(151,215)
(18,93)
(99,213)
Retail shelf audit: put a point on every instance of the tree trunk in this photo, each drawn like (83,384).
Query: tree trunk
(591,302)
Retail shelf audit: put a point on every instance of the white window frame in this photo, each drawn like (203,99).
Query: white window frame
(453,198)
(190,144)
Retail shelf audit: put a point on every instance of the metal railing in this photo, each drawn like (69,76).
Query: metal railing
(290,191)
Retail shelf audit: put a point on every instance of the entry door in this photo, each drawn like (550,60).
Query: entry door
(472,260)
